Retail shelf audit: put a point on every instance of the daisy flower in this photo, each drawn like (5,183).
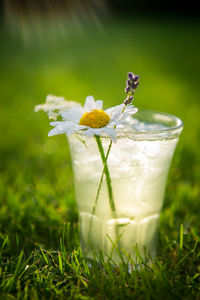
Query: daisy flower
(92,120)
(55,105)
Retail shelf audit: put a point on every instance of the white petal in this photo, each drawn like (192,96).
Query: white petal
(60,129)
(99,131)
(76,129)
(91,131)
(131,109)
(80,127)
(112,133)
(99,104)
(73,114)
(129,113)
(117,116)
(56,123)
(67,127)
(90,103)
(115,109)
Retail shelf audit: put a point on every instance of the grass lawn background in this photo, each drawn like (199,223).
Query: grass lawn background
(39,242)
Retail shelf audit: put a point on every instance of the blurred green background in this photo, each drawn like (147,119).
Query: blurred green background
(75,57)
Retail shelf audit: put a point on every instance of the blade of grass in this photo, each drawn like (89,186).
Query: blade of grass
(181,237)
(44,256)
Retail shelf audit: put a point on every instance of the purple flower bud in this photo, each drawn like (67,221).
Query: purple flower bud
(131,75)
(128,82)
(134,84)
(127,89)
(126,101)
(136,77)
(130,99)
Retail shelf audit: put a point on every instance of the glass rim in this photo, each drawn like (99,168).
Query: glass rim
(169,132)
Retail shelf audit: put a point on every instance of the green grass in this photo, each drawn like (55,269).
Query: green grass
(39,241)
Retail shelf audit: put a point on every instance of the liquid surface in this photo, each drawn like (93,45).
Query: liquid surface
(139,126)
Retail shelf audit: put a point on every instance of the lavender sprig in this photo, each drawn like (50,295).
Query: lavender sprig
(131,85)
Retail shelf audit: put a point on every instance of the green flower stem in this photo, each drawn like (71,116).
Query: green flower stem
(99,188)
(109,187)
(101,180)
(107,174)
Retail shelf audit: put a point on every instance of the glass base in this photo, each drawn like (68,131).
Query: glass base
(118,239)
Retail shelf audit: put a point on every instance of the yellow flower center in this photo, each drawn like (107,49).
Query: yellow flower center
(96,118)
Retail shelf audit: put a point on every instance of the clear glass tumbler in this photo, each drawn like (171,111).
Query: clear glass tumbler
(138,165)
